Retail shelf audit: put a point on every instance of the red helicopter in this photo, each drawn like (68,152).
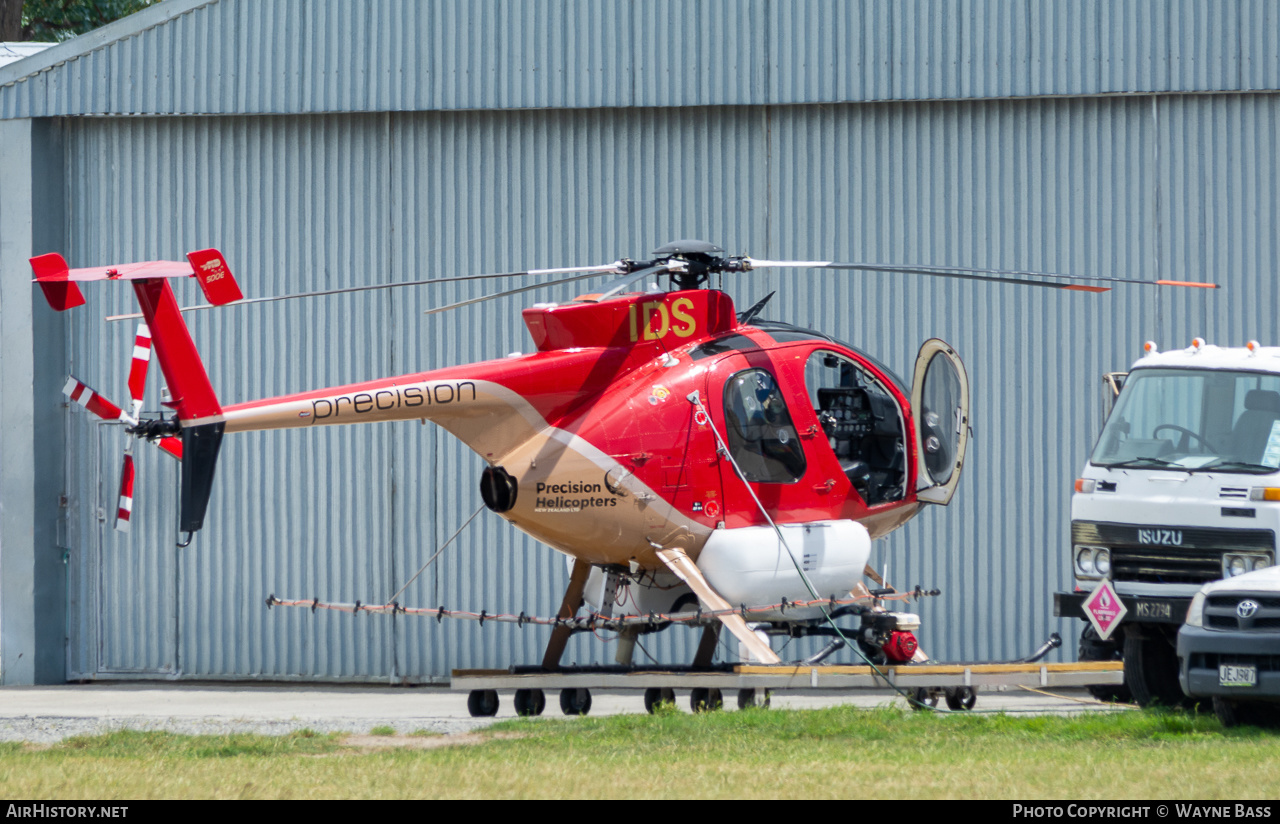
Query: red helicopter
(682,454)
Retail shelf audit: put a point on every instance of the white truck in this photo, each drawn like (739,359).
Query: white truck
(1182,488)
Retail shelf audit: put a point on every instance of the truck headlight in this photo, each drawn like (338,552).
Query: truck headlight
(1092,561)
(1195,612)
(1084,561)
(1238,563)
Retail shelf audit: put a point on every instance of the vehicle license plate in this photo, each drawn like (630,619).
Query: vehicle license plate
(1237,675)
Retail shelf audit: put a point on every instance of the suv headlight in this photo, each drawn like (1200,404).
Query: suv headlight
(1195,612)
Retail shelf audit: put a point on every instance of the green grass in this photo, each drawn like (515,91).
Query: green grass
(841,752)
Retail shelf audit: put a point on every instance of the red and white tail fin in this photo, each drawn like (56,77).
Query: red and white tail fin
(199,414)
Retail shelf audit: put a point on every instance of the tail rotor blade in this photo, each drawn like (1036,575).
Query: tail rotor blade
(124,510)
(171,445)
(81,393)
(138,369)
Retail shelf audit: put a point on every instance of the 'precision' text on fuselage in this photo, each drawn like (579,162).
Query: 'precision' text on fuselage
(395,397)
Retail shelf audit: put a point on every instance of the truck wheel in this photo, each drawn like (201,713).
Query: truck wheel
(1093,648)
(1151,670)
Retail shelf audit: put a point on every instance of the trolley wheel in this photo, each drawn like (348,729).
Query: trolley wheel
(925,698)
(482,703)
(658,695)
(703,699)
(530,702)
(961,698)
(575,701)
(751,698)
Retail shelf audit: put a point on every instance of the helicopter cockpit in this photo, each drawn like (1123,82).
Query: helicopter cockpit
(862,424)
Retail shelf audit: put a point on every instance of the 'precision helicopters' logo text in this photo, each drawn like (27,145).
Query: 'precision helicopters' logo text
(559,503)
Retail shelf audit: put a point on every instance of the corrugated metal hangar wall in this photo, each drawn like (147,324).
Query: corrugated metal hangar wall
(358,143)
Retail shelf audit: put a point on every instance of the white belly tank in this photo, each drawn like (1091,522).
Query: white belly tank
(751,566)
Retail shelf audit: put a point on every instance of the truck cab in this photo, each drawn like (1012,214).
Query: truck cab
(1182,488)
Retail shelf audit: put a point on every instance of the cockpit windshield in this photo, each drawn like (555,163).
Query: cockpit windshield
(1194,420)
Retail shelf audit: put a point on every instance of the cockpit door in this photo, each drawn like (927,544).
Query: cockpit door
(940,405)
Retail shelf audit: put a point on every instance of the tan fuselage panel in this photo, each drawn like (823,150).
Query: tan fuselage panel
(563,497)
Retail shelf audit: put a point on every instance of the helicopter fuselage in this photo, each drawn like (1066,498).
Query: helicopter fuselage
(640,422)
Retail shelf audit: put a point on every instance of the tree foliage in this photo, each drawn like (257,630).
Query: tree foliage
(58,20)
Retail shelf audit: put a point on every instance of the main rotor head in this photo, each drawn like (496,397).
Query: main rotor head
(697,258)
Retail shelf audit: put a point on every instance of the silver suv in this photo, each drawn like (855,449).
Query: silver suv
(1229,648)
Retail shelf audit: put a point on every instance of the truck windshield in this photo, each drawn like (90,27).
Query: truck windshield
(1194,420)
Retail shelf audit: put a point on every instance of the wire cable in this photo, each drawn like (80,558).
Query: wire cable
(423,568)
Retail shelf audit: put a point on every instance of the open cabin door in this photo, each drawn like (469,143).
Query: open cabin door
(940,405)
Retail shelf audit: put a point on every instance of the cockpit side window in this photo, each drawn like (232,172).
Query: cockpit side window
(761,435)
(862,423)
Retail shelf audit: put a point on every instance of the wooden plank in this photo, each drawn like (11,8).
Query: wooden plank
(933,669)
(684,568)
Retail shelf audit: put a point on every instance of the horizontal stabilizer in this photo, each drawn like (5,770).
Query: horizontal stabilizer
(207,266)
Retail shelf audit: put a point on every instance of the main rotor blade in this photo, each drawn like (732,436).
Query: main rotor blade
(621,284)
(994,275)
(603,268)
